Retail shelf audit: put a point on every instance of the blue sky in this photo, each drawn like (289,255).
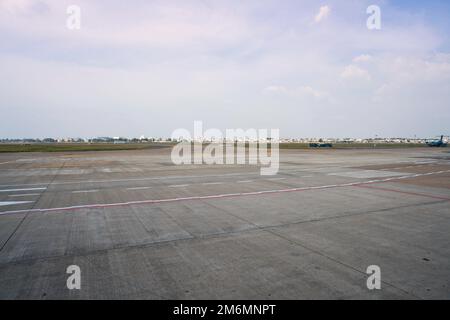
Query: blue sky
(311,69)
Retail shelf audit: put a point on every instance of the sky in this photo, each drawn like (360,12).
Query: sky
(307,68)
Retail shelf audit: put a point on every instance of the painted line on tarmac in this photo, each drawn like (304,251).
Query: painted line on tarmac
(85,191)
(27,189)
(257,173)
(217,196)
(24,195)
(139,188)
(11,203)
(26,160)
(135,179)
(7,162)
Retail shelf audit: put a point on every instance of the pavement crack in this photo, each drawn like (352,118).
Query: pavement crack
(346,265)
(33,207)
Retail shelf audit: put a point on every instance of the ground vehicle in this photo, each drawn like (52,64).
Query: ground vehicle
(320,145)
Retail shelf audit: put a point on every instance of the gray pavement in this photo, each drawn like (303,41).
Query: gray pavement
(141,228)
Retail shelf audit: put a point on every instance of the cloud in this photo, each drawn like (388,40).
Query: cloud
(323,13)
(354,72)
(302,91)
(362,58)
(309,91)
(403,76)
(217,61)
(149,25)
(275,89)
(15,6)
(23,8)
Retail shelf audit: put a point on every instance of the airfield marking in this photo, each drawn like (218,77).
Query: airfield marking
(136,179)
(18,160)
(178,185)
(85,191)
(6,162)
(10,203)
(26,160)
(211,183)
(219,196)
(244,181)
(158,178)
(27,189)
(139,188)
(24,195)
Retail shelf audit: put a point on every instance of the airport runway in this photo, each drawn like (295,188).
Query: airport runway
(140,227)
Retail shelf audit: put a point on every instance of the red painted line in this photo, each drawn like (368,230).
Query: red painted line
(244,194)
(404,192)
(139,202)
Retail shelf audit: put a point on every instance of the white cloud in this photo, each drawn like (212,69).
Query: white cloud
(275,89)
(362,58)
(352,72)
(156,24)
(406,76)
(302,91)
(15,5)
(323,13)
(211,62)
(309,91)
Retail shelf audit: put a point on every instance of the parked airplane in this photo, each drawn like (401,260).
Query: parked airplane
(437,143)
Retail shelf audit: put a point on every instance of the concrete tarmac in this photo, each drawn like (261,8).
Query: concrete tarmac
(140,227)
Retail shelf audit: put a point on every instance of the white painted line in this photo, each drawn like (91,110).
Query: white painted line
(178,185)
(139,188)
(151,178)
(84,191)
(10,203)
(136,179)
(217,196)
(245,181)
(18,160)
(24,195)
(28,189)
(211,183)
(26,160)
(276,179)
(6,162)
